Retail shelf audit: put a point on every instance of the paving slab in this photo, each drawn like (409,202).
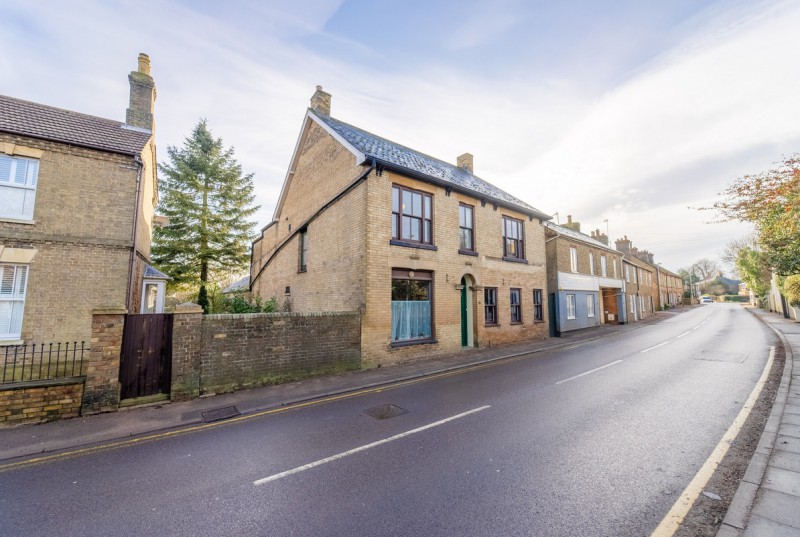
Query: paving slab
(785,460)
(763,527)
(788,443)
(783,508)
(781,480)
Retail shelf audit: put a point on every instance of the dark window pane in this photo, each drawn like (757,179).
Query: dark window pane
(427,237)
(395,199)
(414,230)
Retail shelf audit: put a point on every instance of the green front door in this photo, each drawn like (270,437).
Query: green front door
(464,334)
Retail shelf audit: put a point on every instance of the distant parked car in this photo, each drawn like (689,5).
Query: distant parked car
(706,300)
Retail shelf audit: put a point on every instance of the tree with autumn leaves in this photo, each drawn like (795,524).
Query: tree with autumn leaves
(771,202)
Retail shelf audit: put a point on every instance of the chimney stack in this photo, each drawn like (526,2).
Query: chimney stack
(321,102)
(143,96)
(465,161)
(598,236)
(574,226)
(624,245)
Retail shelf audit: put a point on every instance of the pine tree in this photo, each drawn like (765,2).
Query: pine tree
(208,201)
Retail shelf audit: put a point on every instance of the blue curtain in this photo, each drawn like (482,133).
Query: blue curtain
(411,319)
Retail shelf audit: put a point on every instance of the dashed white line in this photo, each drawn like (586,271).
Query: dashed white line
(338,456)
(588,372)
(655,347)
(684,334)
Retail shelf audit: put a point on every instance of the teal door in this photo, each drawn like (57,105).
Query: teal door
(464,332)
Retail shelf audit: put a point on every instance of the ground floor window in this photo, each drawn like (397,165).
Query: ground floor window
(13,284)
(516,305)
(538,312)
(590,305)
(411,305)
(490,304)
(570,306)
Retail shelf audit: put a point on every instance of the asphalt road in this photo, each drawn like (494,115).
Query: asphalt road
(598,439)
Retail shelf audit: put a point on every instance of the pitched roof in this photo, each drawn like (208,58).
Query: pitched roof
(153,273)
(578,236)
(242,284)
(48,123)
(395,155)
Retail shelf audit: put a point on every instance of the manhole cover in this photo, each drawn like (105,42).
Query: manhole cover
(384,412)
(219,414)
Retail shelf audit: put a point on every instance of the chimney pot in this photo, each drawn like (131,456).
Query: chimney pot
(465,161)
(144,63)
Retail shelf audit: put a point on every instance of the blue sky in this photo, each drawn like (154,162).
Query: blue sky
(631,111)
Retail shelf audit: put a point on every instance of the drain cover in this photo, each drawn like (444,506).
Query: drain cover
(384,412)
(219,414)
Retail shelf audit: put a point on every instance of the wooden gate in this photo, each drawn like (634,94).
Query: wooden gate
(146,361)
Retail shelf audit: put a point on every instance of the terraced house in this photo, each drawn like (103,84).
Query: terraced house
(434,257)
(641,282)
(583,276)
(77,194)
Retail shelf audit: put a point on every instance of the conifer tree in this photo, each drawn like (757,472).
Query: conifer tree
(208,201)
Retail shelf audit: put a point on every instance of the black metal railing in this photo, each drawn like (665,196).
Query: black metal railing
(23,363)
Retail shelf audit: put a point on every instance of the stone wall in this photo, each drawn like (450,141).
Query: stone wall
(222,353)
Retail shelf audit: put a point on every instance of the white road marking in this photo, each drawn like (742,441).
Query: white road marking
(657,346)
(685,333)
(338,456)
(669,525)
(588,372)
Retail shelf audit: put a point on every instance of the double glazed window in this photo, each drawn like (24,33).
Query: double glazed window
(490,304)
(573,259)
(513,238)
(590,305)
(516,305)
(18,178)
(591,263)
(570,306)
(411,305)
(603,266)
(412,216)
(466,228)
(13,284)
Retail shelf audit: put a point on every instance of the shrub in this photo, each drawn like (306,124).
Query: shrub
(791,289)
(239,304)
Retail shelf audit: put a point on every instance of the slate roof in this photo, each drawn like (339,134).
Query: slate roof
(577,235)
(392,154)
(239,285)
(48,123)
(154,273)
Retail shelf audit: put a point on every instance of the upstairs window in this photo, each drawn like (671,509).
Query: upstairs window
(513,239)
(603,266)
(18,178)
(303,264)
(412,216)
(591,263)
(13,284)
(573,259)
(466,228)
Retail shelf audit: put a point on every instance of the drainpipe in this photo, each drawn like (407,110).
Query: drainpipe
(129,297)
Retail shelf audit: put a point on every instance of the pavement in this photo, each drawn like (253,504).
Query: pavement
(766,504)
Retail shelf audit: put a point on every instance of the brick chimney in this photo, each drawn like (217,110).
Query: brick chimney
(574,226)
(143,96)
(465,161)
(321,102)
(624,245)
(598,236)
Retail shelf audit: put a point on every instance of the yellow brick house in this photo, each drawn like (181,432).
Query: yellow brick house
(435,258)
(77,195)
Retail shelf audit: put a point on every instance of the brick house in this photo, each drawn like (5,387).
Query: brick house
(583,277)
(641,282)
(77,194)
(434,257)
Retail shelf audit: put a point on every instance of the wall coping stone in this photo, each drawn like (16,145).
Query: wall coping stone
(28,384)
(278,315)
(188,307)
(109,310)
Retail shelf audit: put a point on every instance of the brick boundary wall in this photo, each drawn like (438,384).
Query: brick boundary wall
(26,402)
(223,353)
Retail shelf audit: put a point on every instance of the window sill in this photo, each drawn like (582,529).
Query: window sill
(468,252)
(11,342)
(419,246)
(492,325)
(538,321)
(517,323)
(515,260)
(302,271)
(410,342)
(17,221)
(571,318)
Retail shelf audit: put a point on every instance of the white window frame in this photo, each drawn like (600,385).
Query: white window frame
(615,266)
(573,259)
(628,273)
(603,266)
(10,184)
(590,305)
(571,307)
(153,304)
(591,263)
(13,289)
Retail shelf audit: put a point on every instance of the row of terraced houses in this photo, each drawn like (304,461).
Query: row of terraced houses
(434,258)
